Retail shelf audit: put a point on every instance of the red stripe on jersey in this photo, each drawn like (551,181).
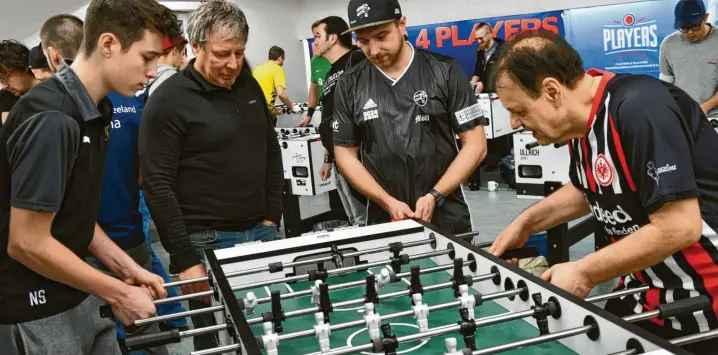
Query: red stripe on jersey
(621,155)
(652,301)
(702,263)
(587,163)
(606,76)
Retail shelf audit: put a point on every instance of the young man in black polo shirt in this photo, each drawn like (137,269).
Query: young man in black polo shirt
(51,176)
(210,161)
(642,162)
(402,108)
(336,46)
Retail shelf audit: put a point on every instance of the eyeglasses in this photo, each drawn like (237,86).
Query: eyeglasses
(694,28)
(4,77)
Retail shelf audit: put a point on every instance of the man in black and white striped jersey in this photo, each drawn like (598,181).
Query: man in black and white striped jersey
(642,162)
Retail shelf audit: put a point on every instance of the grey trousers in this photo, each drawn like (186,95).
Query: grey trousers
(355,210)
(142,256)
(78,331)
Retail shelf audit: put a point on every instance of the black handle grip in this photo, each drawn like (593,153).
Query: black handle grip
(559,145)
(683,307)
(533,145)
(106,311)
(146,341)
(521,253)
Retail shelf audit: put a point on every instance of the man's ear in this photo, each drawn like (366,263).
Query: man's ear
(107,44)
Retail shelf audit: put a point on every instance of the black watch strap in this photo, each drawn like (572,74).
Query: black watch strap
(438,197)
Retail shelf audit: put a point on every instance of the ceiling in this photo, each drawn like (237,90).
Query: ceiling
(22,18)
(19,19)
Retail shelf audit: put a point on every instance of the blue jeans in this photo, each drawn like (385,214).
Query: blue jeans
(213,239)
(159,269)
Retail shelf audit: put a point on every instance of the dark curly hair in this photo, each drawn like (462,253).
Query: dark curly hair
(14,56)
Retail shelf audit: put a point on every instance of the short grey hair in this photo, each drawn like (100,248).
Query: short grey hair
(215,15)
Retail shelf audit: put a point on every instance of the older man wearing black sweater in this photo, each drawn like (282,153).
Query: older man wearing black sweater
(211,164)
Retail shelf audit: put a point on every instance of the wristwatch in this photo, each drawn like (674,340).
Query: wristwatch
(438,197)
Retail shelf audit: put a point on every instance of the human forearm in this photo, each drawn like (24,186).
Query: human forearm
(114,258)
(51,259)
(313,95)
(710,103)
(675,226)
(284,97)
(472,153)
(353,170)
(562,206)
(4,116)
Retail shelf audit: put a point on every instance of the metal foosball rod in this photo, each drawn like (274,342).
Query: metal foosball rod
(663,311)
(280,266)
(176,336)
(385,296)
(409,313)
(406,258)
(680,341)
(290,295)
(679,307)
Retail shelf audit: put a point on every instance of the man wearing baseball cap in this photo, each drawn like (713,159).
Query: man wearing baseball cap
(174,53)
(688,56)
(401,110)
(38,64)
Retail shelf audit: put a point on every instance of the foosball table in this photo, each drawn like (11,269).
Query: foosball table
(399,288)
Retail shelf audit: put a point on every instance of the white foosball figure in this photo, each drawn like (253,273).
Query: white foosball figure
(315,292)
(467,300)
(270,339)
(383,279)
(421,312)
(322,331)
(250,303)
(373,321)
(451,347)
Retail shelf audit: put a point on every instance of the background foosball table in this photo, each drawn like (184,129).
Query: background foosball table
(404,287)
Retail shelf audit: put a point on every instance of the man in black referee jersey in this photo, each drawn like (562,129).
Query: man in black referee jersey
(403,107)
(642,162)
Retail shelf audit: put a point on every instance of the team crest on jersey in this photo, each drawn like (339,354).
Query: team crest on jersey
(421,98)
(603,171)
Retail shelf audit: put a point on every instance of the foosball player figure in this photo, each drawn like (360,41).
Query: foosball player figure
(323,331)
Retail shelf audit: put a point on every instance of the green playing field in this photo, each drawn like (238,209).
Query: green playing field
(485,337)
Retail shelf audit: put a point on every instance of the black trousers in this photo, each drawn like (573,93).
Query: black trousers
(496,149)
(619,308)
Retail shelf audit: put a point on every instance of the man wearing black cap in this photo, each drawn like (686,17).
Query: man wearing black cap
(403,107)
(38,64)
(688,56)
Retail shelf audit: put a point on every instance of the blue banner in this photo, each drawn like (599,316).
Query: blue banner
(456,39)
(624,38)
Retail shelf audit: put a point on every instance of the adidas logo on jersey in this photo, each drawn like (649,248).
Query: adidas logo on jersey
(369,105)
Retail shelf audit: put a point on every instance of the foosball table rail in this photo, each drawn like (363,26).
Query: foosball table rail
(568,315)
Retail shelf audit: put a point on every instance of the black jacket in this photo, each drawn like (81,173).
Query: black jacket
(486,70)
(209,158)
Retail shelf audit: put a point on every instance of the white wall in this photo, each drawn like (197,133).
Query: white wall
(423,12)
(270,23)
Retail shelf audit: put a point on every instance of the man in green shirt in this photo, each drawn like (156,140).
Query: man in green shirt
(319,68)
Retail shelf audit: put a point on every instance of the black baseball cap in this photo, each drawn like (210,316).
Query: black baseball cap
(689,13)
(37,58)
(370,13)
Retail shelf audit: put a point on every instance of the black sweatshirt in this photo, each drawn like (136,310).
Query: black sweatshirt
(209,159)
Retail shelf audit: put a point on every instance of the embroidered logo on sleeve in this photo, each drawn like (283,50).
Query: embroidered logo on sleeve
(469,114)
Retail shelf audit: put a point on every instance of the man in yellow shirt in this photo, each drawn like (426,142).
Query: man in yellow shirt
(270,76)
